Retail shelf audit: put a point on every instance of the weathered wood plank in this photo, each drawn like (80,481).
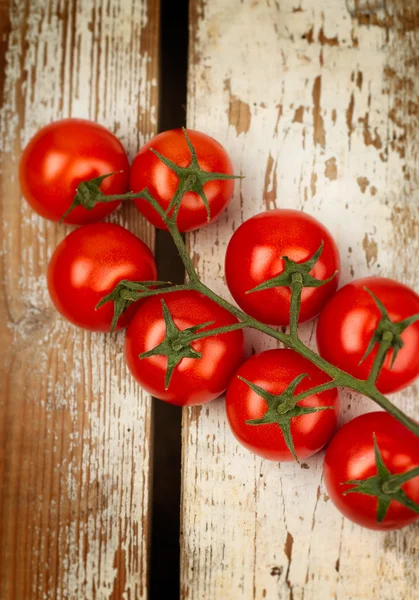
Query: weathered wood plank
(74,428)
(317,102)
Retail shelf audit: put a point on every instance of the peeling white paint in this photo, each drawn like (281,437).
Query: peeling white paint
(318,84)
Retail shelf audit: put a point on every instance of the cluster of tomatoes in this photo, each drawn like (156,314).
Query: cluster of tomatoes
(367,453)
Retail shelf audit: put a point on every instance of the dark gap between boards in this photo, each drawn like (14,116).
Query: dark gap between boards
(166,463)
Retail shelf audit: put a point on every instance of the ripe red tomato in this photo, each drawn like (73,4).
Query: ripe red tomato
(347,323)
(87,265)
(62,155)
(254,256)
(147,171)
(274,370)
(194,380)
(351,456)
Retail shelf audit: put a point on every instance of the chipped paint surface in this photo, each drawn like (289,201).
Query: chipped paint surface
(75,428)
(331,170)
(239,115)
(333,89)
(363,183)
(371,250)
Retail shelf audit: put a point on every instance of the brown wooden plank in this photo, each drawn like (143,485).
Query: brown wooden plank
(74,428)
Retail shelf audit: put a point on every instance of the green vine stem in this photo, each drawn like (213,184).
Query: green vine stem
(216,331)
(296,277)
(338,377)
(134,296)
(315,390)
(295,305)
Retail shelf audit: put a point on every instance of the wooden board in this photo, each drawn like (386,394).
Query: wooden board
(74,428)
(317,103)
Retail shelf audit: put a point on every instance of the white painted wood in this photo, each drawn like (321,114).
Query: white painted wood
(75,429)
(317,103)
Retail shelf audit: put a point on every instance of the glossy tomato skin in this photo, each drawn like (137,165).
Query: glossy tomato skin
(62,155)
(194,381)
(350,455)
(148,171)
(254,256)
(87,265)
(274,370)
(347,323)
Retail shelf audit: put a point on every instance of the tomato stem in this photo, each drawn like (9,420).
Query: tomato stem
(395,482)
(217,331)
(296,276)
(388,335)
(329,385)
(384,485)
(282,408)
(175,345)
(371,392)
(295,304)
(340,378)
(113,197)
(126,292)
(289,279)
(175,233)
(88,194)
(191,179)
(380,357)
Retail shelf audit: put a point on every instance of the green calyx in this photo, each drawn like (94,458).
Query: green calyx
(387,333)
(126,292)
(385,486)
(295,275)
(191,179)
(176,345)
(88,194)
(282,408)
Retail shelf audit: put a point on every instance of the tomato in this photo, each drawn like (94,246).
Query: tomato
(351,456)
(62,155)
(194,380)
(254,256)
(273,371)
(147,171)
(87,265)
(347,323)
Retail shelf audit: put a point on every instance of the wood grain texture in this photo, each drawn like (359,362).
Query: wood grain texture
(317,103)
(74,428)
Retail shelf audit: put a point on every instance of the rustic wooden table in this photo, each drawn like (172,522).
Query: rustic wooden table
(317,101)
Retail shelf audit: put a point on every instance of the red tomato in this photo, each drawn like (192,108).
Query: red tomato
(194,380)
(62,155)
(87,265)
(254,256)
(347,323)
(147,171)
(350,456)
(273,371)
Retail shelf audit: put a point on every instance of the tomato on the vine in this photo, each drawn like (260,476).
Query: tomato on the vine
(273,371)
(254,256)
(88,264)
(351,460)
(62,155)
(347,324)
(194,380)
(148,171)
